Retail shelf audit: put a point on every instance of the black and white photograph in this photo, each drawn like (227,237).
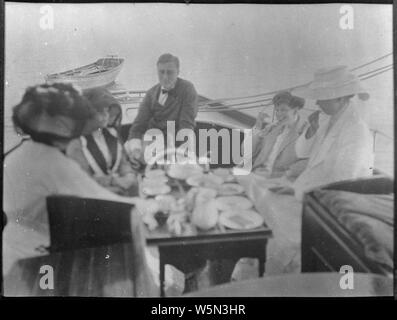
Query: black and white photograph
(198,150)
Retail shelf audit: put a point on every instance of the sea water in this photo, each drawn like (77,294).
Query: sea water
(225,50)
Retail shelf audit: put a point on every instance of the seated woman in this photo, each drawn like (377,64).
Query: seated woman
(273,147)
(101,153)
(52,115)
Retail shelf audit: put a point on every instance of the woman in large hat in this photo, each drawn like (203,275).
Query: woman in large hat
(340,146)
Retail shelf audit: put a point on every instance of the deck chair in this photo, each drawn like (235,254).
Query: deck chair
(327,242)
(77,223)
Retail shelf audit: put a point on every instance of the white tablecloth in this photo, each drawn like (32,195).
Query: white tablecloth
(283,214)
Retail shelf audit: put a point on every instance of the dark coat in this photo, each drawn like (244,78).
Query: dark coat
(180,106)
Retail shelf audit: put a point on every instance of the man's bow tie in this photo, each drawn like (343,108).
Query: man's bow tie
(165,91)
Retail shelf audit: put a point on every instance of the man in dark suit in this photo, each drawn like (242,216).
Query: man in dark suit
(172,99)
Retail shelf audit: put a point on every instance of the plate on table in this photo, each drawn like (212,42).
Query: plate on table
(152,190)
(227,203)
(166,201)
(224,173)
(241,220)
(229,189)
(204,180)
(184,171)
(153,174)
(154,180)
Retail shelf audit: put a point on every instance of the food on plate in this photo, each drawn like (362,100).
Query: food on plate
(176,223)
(205,211)
(245,219)
(229,189)
(184,171)
(155,173)
(148,209)
(190,198)
(224,173)
(198,195)
(240,220)
(205,214)
(155,180)
(161,217)
(205,194)
(148,206)
(205,180)
(152,190)
(195,180)
(179,207)
(227,203)
(166,202)
(150,221)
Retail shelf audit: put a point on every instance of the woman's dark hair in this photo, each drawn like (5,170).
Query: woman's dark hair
(102,100)
(117,121)
(286,97)
(58,99)
(99,98)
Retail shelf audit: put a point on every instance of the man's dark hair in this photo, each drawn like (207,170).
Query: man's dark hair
(168,57)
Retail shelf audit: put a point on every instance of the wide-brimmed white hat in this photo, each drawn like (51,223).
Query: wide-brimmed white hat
(332,83)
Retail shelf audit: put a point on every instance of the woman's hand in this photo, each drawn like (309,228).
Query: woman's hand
(116,189)
(263,172)
(125,182)
(134,152)
(314,124)
(105,181)
(135,157)
(262,116)
(284,186)
(283,190)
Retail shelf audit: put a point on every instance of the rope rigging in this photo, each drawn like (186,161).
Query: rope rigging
(221,105)
(220,100)
(216,105)
(363,76)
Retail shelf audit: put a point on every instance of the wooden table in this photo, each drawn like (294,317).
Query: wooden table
(186,251)
(302,285)
(108,271)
